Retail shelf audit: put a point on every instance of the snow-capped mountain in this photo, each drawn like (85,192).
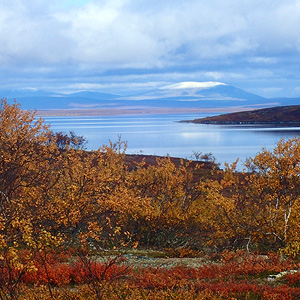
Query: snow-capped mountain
(182,95)
(198,91)
(192,85)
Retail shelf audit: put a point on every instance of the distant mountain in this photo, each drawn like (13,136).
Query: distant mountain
(288,115)
(41,100)
(178,96)
(20,93)
(200,91)
(203,95)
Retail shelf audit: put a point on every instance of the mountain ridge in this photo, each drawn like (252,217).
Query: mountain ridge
(178,96)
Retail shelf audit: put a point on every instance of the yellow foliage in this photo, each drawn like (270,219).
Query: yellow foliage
(52,196)
(292,249)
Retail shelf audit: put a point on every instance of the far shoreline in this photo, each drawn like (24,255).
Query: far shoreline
(133,112)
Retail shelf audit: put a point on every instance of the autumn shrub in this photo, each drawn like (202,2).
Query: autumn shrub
(62,206)
(239,278)
(293,279)
(292,249)
(117,292)
(73,272)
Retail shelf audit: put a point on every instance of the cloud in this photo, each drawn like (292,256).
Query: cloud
(109,36)
(263,60)
(30,35)
(117,33)
(82,41)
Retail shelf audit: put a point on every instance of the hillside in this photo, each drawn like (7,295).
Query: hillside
(289,115)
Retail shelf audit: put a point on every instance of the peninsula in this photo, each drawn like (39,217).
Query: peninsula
(281,115)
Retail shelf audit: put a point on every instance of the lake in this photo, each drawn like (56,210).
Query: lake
(163,135)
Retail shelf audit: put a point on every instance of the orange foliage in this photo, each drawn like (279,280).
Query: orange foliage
(55,196)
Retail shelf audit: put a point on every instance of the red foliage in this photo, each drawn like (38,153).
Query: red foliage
(244,277)
(55,269)
(293,279)
(80,274)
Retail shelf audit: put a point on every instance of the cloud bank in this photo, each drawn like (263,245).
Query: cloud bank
(56,44)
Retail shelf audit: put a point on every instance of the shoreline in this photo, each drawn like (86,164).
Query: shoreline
(238,123)
(132,112)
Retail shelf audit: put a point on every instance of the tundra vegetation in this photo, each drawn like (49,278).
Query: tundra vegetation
(71,220)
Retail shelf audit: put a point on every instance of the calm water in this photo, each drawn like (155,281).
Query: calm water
(162,135)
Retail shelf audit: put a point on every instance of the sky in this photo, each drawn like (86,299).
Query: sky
(131,46)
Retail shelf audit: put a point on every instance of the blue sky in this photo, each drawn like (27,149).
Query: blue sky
(127,46)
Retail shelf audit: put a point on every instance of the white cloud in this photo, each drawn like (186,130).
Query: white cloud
(108,34)
(213,40)
(30,35)
(121,33)
(263,60)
